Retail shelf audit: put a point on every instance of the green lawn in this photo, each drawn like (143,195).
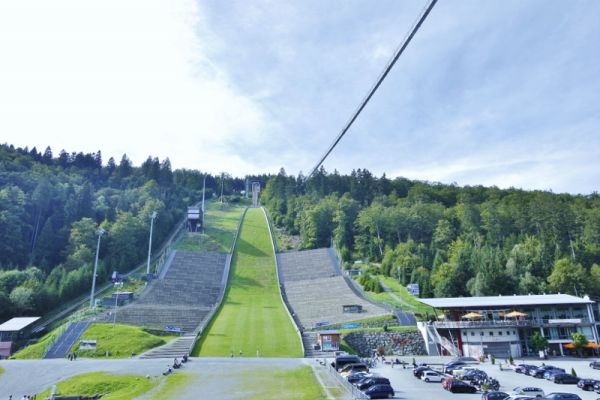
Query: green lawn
(1,371)
(173,386)
(252,316)
(110,387)
(297,384)
(120,342)
(36,351)
(221,222)
(402,292)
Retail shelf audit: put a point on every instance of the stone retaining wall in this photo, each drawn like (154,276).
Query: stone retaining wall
(365,342)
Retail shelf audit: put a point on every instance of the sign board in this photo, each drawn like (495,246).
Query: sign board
(413,289)
(318,324)
(87,345)
(350,326)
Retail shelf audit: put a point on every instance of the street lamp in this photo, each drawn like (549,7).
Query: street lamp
(203,191)
(99,232)
(118,285)
(150,241)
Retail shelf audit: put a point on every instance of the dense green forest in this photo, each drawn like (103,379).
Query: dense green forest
(451,240)
(51,208)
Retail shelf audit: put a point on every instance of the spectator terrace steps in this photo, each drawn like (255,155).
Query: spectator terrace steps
(60,348)
(316,290)
(186,295)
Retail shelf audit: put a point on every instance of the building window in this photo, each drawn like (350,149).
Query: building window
(464,333)
(507,333)
(514,332)
(491,333)
(499,333)
(481,333)
(472,333)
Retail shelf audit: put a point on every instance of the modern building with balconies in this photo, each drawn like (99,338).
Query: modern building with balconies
(503,325)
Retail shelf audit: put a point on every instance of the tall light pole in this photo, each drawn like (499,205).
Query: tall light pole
(150,241)
(203,191)
(99,232)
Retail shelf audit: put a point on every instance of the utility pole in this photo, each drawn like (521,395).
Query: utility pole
(203,191)
(99,232)
(222,187)
(118,285)
(150,241)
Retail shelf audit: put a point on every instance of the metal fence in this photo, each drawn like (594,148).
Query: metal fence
(356,394)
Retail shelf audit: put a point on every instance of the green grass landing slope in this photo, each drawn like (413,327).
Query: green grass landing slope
(252,316)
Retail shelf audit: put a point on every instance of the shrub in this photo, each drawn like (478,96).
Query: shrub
(573,372)
(511,361)
(493,359)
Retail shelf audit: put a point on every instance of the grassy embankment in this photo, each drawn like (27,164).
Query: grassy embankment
(36,351)
(110,387)
(407,302)
(1,371)
(252,316)
(120,341)
(221,222)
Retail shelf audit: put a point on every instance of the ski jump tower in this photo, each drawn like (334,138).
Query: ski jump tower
(255,193)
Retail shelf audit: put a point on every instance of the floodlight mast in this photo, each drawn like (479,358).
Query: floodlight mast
(99,232)
(154,214)
(203,191)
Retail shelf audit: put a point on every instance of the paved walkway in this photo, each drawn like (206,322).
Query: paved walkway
(214,378)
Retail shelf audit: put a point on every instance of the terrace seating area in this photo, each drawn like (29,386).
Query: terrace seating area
(183,298)
(317,292)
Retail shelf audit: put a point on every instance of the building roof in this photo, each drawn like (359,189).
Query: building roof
(16,324)
(504,301)
(329,332)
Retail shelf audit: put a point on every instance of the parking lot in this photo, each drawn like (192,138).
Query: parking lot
(408,387)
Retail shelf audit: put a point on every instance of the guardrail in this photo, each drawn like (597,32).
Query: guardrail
(282,293)
(354,392)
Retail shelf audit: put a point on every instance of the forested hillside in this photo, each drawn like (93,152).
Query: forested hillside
(51,207)
(452,241)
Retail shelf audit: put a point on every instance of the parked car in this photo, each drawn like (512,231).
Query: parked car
(341,361)
(451,366)
(432,376)
(528,391)
(494,396)
(368,382)
(461,371)
(540,371)
(562,396)
(595,364)
(551,372)
(474,375)
(468,360)
(382,391)
(527,369)
(597,387)
(565,378)
(357,376)
(351,368)
(457,386)
(521,397)
(418,372)
(522,368)
(586,384)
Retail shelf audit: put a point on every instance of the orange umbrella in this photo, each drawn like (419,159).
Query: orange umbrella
(515,314)
(472,315)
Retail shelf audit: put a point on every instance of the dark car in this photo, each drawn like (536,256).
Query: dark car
(351,368)
(586,384)
(451,366)
(357,376)
(522,368)
(551,372)
(494,396)
(457,386)
(565,378)
(562,396)
(528,368)
(474,375)
(418,372)
(595,364)
(381,391)
(540,371)
(341,361)
(375,380)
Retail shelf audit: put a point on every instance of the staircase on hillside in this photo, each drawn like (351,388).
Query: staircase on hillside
(175,349)
(183,298)
(66,340)
(309,340)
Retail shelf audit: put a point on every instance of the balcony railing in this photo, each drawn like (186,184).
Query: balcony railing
(486,323)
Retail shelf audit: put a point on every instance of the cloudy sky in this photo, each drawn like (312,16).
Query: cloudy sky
(503,92)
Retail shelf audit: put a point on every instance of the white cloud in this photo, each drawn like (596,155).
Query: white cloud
(129,77)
